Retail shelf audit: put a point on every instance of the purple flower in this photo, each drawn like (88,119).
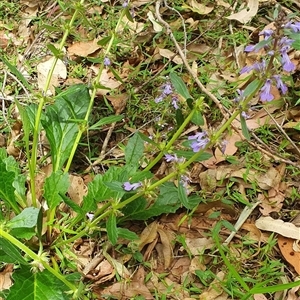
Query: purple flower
(249,48)
(266,33)
(240,96)
(295,27)
(106,61)
(200,140)
(258,66)
(167,89)
(159,98)
(184,180)
(170,157)
(285,42)
(125,3)
(265,92)
(175,102)
(280,85)
(287,64)
(244,115)
(224,144)
(90,216)
(127,186)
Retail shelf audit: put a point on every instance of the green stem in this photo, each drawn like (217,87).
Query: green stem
(93,95)
(33,158)
(35,257)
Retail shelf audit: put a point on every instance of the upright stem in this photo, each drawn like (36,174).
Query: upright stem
(33,158)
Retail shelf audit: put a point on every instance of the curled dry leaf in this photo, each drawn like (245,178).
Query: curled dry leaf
(246,14)
(285,229)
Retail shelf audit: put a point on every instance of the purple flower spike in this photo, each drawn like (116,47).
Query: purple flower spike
(127,186)
(265,95)
(280,85)
(159,98)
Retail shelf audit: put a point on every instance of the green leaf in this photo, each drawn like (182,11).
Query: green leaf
(54,50)
(134,151)
(56,183)
(17,73)
(188,154)
(296,37)
(37,286)
(7,191)
(27,218)
(128,14)
(245,130)
(105,121)
(198,118)
(13,254)
(98,191)
(23,233)
(180,86)
(75,207)
(111,227)
(167,202)
(179,117)
(127,234)
(252,87)
(183,197)
(104,41)
(61,120)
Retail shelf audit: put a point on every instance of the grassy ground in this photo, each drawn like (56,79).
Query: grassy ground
(145,67)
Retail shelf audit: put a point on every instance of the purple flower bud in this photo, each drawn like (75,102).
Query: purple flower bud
(125,3)
(265,92)
(127,186)
(244,115)
(224,144)
(106,61)
(159,98)
(175,102)
(280,85)
(240,96)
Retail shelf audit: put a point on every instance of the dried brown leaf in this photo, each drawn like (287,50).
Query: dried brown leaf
(285,229)
(245,15)
(198,8)
(84,49)
(5,277)
(286,248)
(148,235)
(60,72)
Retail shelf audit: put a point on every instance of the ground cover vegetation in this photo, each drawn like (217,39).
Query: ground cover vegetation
(149,150)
